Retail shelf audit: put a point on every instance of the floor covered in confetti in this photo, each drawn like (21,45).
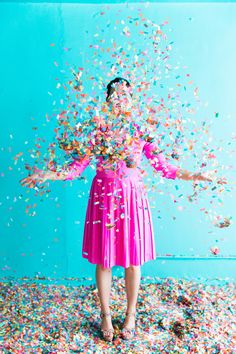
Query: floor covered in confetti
(173,316)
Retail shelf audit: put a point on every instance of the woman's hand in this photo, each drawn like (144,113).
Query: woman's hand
(201,177)
(222,181)
(186,175)
(32,180)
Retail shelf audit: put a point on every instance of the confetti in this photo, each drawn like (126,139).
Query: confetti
(173,316)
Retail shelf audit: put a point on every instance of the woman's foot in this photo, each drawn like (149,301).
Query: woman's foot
(106,326)
(128,329)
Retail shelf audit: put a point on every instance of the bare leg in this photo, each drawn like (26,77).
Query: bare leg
(132,283)
(103,280)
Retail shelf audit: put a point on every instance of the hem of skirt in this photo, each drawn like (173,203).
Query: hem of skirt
(116,264)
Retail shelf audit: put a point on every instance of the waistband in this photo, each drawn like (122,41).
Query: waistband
(130,173)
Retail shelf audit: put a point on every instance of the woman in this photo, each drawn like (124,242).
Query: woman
(118,227)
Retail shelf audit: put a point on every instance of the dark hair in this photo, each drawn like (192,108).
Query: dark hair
(117,79)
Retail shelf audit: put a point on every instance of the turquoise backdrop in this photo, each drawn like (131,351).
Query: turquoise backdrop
(47,240)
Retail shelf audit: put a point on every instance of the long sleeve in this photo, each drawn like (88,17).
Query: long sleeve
(158,161)
(76,167)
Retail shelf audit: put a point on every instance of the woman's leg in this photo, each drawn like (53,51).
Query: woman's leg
(103,280)
(132,283)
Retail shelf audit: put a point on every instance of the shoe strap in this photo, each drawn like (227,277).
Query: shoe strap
(130,313)
(104,314)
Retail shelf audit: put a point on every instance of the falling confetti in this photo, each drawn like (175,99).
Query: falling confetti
(168,110)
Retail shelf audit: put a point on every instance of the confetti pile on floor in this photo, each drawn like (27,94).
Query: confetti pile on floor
(173,316)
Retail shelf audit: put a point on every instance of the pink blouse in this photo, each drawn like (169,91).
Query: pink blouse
(158,161)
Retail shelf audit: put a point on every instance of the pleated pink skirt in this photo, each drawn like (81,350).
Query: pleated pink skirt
(118,228)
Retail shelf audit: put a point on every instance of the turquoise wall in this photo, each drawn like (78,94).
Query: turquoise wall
(43,235)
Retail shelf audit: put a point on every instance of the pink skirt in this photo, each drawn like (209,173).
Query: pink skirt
(118,228)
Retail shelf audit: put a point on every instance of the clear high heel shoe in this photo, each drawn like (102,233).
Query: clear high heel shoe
(107,333)
(128,332)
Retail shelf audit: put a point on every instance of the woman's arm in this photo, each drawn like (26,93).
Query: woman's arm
(74,169)
(160,163)
(67,172)
(190,176)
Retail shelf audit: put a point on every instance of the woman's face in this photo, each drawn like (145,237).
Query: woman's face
(120,98)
